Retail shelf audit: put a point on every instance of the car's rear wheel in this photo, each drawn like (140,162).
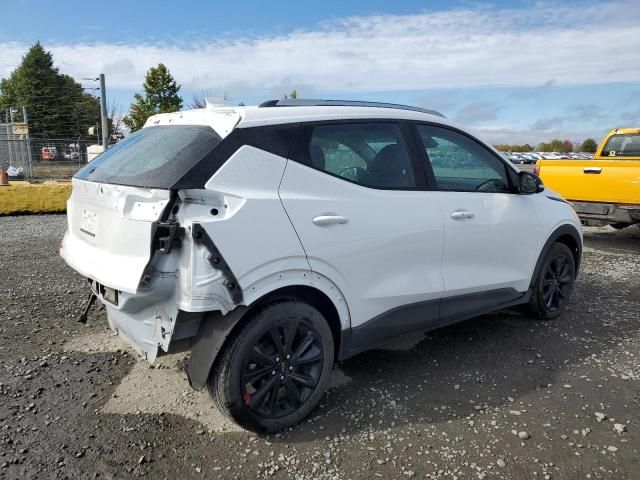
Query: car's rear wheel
(555,282)
(273,372)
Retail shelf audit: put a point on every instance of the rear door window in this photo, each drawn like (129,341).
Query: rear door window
(625,145)
(370,154)
(155,157)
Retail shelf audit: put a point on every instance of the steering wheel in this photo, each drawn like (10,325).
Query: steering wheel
(492,185)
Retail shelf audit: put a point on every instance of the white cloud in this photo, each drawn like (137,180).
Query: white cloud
(510,135)
(580,44)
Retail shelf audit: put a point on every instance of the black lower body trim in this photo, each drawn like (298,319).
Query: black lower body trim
(426,316)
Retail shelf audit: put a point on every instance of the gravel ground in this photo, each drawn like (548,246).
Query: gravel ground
(496,397)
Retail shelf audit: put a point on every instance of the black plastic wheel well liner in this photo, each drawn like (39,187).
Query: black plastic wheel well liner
(569,236)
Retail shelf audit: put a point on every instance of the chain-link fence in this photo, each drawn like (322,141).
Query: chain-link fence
(39,159)
(15,150)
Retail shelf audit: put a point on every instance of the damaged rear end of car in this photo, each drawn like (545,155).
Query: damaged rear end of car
(155,270)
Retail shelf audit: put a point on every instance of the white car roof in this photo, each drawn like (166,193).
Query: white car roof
(223,119)
(255,116)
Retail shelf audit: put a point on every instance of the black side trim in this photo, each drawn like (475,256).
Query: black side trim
(403,319)
(556,199)
(470,305)
(213,332)
(276,139)
(425,316)
(217,261)
(559,232)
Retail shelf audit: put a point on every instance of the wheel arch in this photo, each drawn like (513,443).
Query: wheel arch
(314,297)
(216,329)
(566,234)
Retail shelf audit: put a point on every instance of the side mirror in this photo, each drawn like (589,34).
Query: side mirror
(528,183)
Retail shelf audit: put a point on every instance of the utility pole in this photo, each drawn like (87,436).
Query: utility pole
(103,114)
(10,135)
(25,118)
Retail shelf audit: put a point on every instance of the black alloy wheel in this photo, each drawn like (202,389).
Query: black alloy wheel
(273,370)
(557,283)
(554,284)
(283,368)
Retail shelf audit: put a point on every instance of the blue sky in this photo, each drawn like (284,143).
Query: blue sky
(513,71)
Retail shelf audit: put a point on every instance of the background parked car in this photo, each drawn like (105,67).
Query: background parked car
(48,153)
(521,158)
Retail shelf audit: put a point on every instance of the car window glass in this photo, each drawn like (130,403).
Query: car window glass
(625,145)
(460,163)
(153,157)
(371,154)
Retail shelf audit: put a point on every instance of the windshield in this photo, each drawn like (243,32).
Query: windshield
(626,145)
(155,157)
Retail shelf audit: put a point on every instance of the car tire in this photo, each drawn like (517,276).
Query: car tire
(288,337)
(554,285)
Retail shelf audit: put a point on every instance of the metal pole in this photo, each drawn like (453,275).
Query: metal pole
(103,114)
(10,136)
(3,163)
(26,122)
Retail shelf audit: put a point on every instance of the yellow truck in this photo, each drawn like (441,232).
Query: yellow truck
(606,189)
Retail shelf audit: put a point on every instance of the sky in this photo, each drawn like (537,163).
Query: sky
(511,71)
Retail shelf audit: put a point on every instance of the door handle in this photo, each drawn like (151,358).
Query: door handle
(595,170)
(461,214)
(324,220)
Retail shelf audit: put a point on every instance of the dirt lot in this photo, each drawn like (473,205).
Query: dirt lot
(497,397)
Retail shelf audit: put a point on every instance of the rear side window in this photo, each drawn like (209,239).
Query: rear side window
(370,154)
(155,157)
(625,145)
(460,163)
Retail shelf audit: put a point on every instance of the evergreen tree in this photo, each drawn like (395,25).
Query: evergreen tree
(160,96)
(57,105)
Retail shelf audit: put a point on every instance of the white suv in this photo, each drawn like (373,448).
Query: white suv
(281,238)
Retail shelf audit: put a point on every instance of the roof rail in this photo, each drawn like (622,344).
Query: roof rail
(307,102)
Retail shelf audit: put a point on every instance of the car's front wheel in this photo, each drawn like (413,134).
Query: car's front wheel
(554,285)
(273,372)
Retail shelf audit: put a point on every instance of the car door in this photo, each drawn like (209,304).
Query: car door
(366,220)
(491,232)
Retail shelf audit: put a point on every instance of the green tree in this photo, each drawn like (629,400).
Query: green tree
(589,145)
(526,148)
(57,105)
(160,96)
(554,145)
(293,94)
(503,147)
